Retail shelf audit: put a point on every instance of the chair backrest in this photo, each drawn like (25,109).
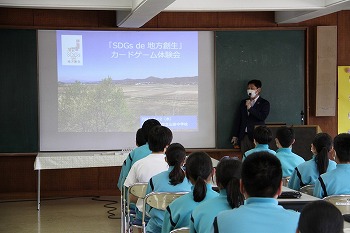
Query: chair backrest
(342,202)
(138,189)
(308,189)
(181,230)
(158,200)
(285,181)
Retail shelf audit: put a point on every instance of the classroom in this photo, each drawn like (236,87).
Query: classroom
(18,178)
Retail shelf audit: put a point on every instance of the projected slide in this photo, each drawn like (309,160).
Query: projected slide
(114,81)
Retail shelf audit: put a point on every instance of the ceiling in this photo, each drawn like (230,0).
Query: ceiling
(135,13)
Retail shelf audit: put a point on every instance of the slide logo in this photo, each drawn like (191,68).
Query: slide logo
(72,50)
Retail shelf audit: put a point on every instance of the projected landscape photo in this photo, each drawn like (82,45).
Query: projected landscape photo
(114,81)
(117,105)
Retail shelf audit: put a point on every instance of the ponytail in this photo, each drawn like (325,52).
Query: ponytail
(198,169)
(175,155)
(199,190)
(234,196)
(228,173)
(323,144)
(177,175)
(322,161)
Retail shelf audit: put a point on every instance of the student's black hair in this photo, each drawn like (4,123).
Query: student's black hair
(140,138)
(228,173)
(256,83)
(175,155)
(285,136)
(342,147)
(198,168)
(262,134)
(323,144)
(159,137)
(147,126)
(261,174)
(320,217)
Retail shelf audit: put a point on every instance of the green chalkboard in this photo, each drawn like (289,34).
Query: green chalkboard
(18,91)
(276,57)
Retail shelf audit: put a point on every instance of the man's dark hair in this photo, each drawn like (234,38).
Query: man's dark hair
(285,136)
(147,126)
(256,83)
(342,147)
(159,137)
(262,134)
(261,174)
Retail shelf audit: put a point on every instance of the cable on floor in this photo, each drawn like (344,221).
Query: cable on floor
(111,214)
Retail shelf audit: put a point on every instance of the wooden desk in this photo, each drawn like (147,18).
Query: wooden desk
(67,160)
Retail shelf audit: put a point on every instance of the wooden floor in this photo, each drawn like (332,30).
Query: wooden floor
(83,214)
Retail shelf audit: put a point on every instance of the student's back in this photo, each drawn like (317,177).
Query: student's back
(285,138)
(172,180)
(159,139)
(134,156)
(309,171)
(262,137)
(228,173)
(336,182)
(199,170)
(261,183)
(139,152)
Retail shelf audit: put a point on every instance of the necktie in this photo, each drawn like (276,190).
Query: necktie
(252,103)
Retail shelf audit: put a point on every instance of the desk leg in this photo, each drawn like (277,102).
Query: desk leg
(38,189)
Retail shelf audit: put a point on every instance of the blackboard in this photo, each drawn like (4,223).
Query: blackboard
(276,57)
(18,91)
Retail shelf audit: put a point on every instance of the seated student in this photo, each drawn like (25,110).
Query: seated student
(309,171)
(172,180)
(159,139)
(285,138)
(228,173)
(140,138)
(336,182)
(261,184)
(138,153)
(262,137)
(199,170)
(320,216)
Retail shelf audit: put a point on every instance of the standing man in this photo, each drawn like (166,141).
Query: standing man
(252,111)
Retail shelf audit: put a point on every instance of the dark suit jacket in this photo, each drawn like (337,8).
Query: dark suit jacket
(257,115)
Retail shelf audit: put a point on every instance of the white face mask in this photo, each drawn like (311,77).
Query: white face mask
(251,93)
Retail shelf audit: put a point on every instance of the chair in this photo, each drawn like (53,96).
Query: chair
(181,230)
(285,181)
(308,189)
(123,210)
(138,190)
(342,202)
(158,200)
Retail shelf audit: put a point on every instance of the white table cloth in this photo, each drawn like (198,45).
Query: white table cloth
(66,160)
